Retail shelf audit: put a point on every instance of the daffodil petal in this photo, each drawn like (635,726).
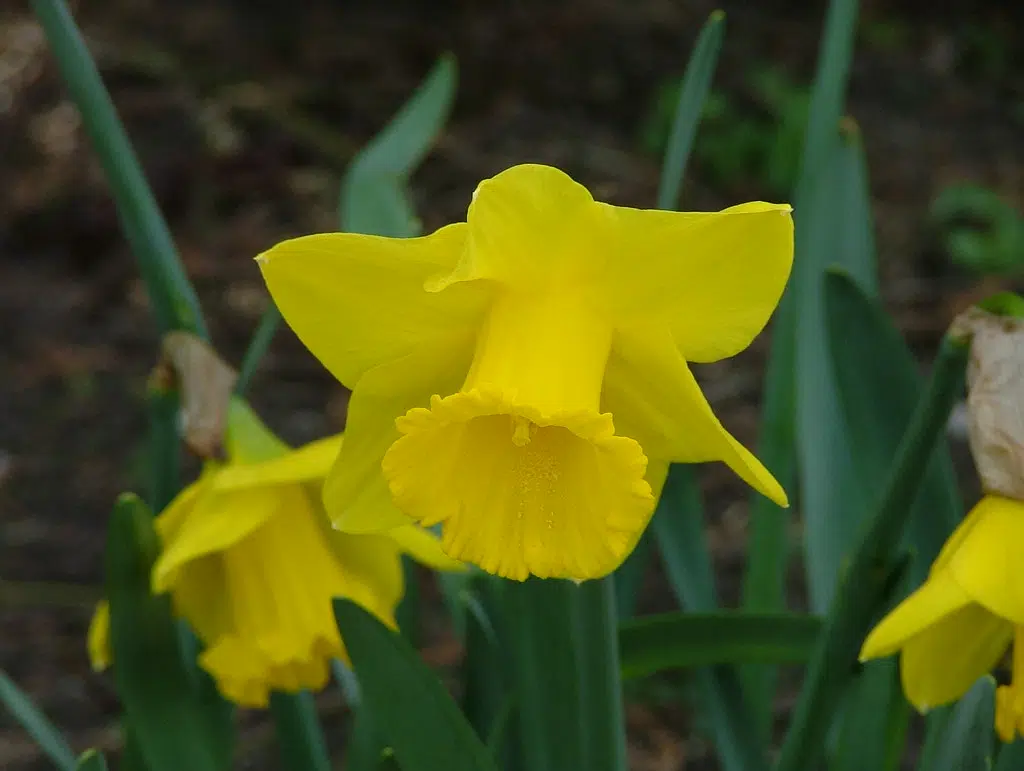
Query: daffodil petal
(216,522)
(528,225)
(357,301)
(939,597)
(942,662)
(200,595)
(248,439)
(714,278)
(371,573)
(308,463)
(99,637)
(424,547)
(987,563)
(953,543)
(655,399)
(355,494)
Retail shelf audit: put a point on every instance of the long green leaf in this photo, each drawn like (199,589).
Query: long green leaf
(678,527)
(690,108)
(683,640)
(543,628)
(878,385)
(1011,757)
(32,719)
(968,744)
(410,706)
(174,301)
(875,720)
(374,197)
(782,416)
(597,650)
(298,730)
(92,760)
(160,705)
(869,574)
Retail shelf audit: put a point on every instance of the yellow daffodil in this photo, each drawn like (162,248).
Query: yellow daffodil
(250,560)
(958,625)
(522,377)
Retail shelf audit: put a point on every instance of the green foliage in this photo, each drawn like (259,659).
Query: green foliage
(683,640)
(415,712)
(36,724)
(979,230)
(92,760)
(968,744)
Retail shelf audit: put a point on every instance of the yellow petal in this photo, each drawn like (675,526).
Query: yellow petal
(714,278)
(520,492)
(355,493)
(987,563)
(200,596)
(277,583)
(216,522)
(941,663)
(953,543)
(371,569)
(655,399)
(939,597)
(657,473)
(529,226)
(308,463)
(357,301)
(424,547)
(99,637)
(248,439)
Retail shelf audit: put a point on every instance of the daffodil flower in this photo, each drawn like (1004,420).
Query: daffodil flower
(959,624)
(522,377)
(250,560)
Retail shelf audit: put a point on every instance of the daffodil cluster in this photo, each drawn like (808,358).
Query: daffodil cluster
(251,562)
(522,378)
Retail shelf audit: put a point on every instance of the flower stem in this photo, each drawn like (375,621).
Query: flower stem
(174,301)
(298,730)
(258,345)
(863,590)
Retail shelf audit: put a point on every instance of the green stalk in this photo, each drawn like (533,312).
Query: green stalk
(258,345)
(302,742)
(174,301)
(863,591)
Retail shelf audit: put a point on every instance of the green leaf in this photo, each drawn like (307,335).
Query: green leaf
(173,299)
(36,724)
(91,760)
(374,198)
(968,744)
(875,720)
(689,109)
(547,679)
(629,576)
(597,653)
(1011,757)
(409,704)
(879,383)
(298,732)
(871,572)
(163,714)
(782,416)
(679,529)
(683,640)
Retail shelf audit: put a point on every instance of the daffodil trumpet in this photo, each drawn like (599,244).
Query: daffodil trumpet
(250,561)
(521,379)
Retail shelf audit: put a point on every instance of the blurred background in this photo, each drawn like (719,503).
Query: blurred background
(245,113)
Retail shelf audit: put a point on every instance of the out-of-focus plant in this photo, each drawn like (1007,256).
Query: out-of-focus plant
(979,230)
(555,332)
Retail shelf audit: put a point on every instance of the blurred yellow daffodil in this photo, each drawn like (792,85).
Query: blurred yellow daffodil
(959,624)
(250,560)
(522,377)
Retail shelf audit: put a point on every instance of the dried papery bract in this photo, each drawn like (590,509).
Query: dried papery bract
(205,382)
(995,401)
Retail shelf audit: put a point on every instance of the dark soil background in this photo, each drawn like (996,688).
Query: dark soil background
(245,113)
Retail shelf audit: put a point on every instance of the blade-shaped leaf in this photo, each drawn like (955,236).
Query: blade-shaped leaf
(681,640)
(689,108)
(36,724)
(409,704)
(165,717)
(92,760)
(374,198)
(968,744)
